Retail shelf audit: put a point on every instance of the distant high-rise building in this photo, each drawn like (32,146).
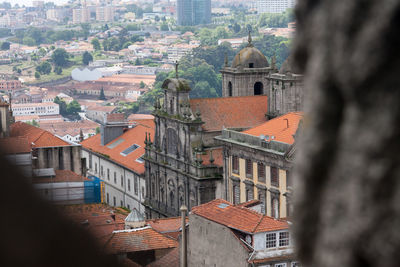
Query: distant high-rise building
(274,6)
(194,12)
(80,15)
(105,13)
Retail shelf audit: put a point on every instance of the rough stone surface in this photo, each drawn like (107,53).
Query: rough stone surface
(348,186)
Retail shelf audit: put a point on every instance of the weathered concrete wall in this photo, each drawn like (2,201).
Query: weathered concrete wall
(348,210)
(211,244)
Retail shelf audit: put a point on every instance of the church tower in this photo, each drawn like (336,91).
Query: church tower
(286,90)
(176,173)
(247,74)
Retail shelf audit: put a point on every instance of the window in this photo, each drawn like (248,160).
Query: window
(114,201)
(129,185)
(129,207)
(275,208)
(235,164)
(95,167)
(270,240)
(249,194)
(136,186)
(236,194)
(140,159)
(101,171)
(90,161)
(274,177)
(258,88)
(261,197)
(283,239)
(249,168)
(108,198)
(122,203)
(295,264)
(129,150)
(280,265)
(108,174)
(288,179)
(261,172)
(230,89)
(251,65)
(122,180)
(115,177)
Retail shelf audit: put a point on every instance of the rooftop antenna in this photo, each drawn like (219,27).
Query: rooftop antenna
(176,69)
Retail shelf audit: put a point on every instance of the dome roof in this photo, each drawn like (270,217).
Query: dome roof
(287,66)
(250,57)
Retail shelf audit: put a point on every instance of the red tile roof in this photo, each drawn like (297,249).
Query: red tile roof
(171,259)
(231,112)
(132,136)
(36,136)
(15,145)
(238,218)
(168,226)
(61,176)
(282,128)
(140,239)
(217,155)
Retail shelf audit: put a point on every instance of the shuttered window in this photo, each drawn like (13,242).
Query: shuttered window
(261,172)
(236,194)
(235,164)
(249,167)
(274,177)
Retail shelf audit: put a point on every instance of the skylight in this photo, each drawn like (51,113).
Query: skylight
(223,205)
(140,159)
(129,150)
(116,143)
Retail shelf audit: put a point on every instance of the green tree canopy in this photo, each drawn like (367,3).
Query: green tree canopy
(5,46)
(96,44)
(86,58)
(73,107)
(60,57)
(44,68)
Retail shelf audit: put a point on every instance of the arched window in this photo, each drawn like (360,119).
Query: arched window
(258,88)
(230,89)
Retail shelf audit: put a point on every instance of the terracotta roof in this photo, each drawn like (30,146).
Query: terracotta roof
(168,226)
(36,136)
(62,128)
(139,239)
(231,112)
(15,145)
(171,259)
(217,155)
(99,219)
(282,128)
(135,117)
(131,136)
(101,108)
(61,176)
(238,218)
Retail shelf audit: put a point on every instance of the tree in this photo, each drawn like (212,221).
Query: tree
(97,130)
(164,27)
(58,70)
(60,57)
(142,84)
(102,95)
(44,68)
(157,18)
(73,107)
(5,46)
(37,75)
(138,62)
(86,58)
(28,41)
(85,29)
(96,44)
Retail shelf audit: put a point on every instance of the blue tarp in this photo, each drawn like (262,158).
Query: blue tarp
(92,190)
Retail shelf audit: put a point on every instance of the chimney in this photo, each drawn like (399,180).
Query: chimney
(184,237)
(113,127)
(287,122)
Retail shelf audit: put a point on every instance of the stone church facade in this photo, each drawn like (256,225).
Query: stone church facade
(175,170)
(183,162)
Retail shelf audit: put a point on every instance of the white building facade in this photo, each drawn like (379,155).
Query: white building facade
(123,187)
(274,6)
(35,109)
